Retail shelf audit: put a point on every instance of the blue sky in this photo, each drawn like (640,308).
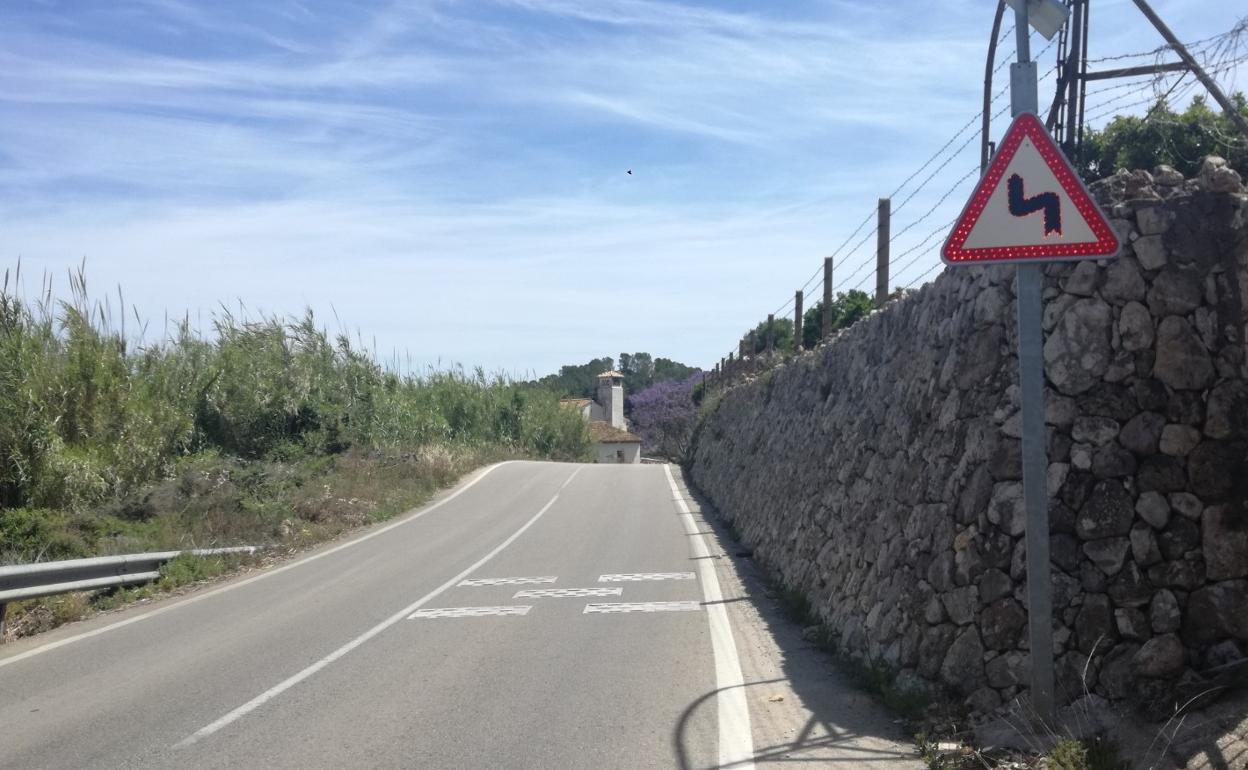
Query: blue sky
(449,178)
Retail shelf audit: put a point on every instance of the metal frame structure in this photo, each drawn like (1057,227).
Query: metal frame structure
(1066,112)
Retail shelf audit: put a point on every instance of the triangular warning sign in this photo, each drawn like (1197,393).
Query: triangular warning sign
(1029,206)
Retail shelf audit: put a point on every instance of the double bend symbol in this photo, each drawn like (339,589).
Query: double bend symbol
(1047,202)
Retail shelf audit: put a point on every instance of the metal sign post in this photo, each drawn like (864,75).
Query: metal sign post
(1023,98)
(1030,207)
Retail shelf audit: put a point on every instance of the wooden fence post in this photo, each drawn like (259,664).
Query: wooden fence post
(881,251)
(797,321)
(827,296)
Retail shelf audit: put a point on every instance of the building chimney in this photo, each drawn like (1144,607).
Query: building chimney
(611,396)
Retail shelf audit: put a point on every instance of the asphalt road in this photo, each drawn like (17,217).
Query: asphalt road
(417,646)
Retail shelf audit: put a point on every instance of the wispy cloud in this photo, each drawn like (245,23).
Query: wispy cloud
(418,161)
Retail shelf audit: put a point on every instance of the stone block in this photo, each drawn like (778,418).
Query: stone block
(1182,361)
(1224,532)
(1107,513)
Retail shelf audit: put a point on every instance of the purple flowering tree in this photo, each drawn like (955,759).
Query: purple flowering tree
(663,416)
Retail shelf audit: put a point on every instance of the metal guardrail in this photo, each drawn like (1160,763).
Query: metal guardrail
(30,581)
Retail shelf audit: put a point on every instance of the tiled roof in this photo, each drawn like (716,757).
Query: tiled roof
(610,374)
(604,433)
(576,403)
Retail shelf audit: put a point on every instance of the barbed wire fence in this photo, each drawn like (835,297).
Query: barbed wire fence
(909,256)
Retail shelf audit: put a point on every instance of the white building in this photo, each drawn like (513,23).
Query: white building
(607,426)
(612,445)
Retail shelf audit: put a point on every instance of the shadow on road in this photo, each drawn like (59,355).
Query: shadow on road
(802,708)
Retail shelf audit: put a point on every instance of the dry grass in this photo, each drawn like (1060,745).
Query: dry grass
(286,506)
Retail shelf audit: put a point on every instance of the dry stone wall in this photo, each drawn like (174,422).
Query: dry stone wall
(880,474)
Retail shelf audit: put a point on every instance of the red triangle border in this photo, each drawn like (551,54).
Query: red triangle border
(1027,125)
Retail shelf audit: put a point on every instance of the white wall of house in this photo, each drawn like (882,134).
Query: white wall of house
(611,396)
(628,453)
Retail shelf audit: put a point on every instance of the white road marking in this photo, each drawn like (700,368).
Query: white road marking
(470,612)
(639,576)
(286,684)
(609,607)
(266,574)
(510,581)
(736,737)
(558,593)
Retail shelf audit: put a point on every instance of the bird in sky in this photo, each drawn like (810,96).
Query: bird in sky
(630,172)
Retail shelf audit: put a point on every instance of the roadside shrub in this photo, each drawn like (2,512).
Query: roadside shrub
(33,534)
(90,418)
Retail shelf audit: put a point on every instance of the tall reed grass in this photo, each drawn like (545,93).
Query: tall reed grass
(89,414)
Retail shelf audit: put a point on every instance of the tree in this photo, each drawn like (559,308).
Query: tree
(666,369)
(574,381)
(638,371)
(664,415)
(782,336)
(847,308)
(1164,137)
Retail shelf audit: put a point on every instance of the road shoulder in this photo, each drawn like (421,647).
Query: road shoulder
(268,563)
(801,707)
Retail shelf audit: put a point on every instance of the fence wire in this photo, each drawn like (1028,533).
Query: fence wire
(1218,53)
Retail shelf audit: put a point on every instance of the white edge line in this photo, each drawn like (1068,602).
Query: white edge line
(402,614)
(266,574)
(736,738)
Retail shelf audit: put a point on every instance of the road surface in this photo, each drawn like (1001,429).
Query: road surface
(540,615)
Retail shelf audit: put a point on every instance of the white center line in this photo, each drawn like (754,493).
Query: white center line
(285,685)
(736,737)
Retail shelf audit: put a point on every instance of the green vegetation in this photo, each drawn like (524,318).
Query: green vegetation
(640,371)
(32,617)
(780,331)
(1163,136)
(797,606)
(846,309)
(576,381)
(1092,754)
(267,430)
